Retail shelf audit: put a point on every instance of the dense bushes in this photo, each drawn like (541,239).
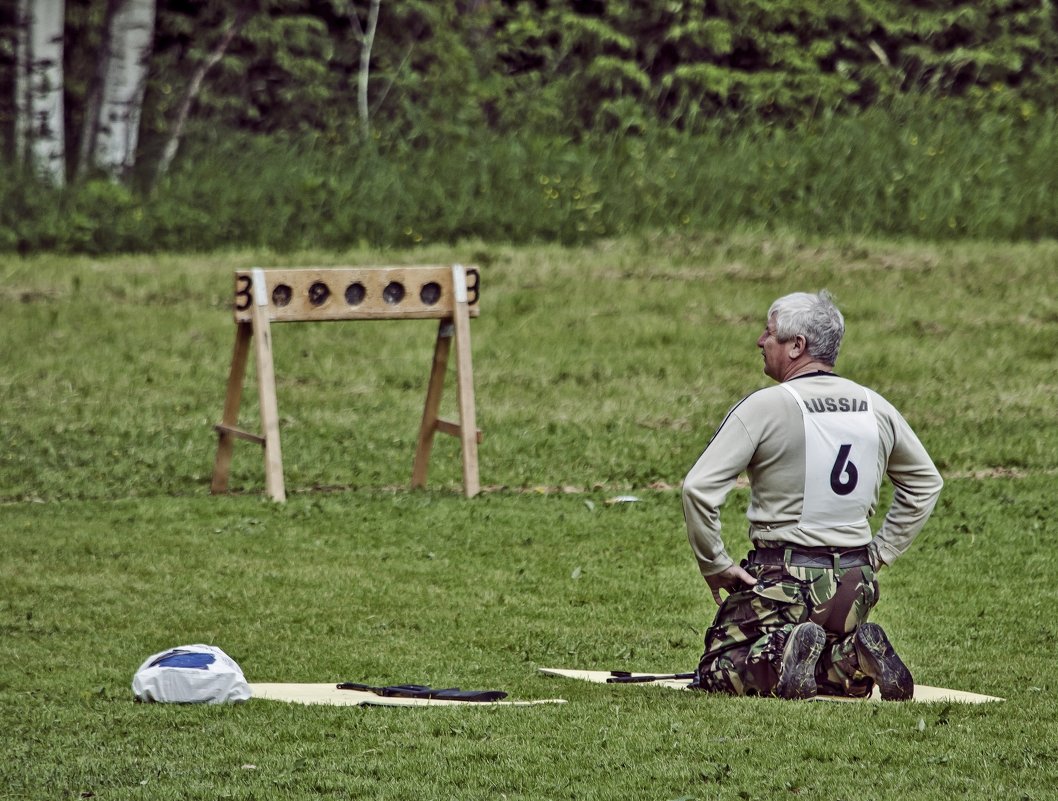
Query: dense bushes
(910,169)
(577,67)
(574,119)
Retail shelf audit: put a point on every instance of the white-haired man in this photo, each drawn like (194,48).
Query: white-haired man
(816,448)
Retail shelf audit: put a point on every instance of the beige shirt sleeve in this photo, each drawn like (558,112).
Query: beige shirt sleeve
(916,484)
(706,487)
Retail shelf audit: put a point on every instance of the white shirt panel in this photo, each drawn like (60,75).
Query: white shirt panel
(841,461)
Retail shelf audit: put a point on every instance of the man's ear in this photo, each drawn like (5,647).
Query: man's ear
(800,346)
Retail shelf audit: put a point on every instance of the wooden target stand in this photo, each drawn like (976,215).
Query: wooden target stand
(263,297)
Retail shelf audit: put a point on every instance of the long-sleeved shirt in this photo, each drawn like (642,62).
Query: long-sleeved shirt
(779,438)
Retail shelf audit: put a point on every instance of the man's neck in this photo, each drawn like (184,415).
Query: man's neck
(813,366)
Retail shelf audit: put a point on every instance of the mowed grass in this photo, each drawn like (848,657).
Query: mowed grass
(599,372)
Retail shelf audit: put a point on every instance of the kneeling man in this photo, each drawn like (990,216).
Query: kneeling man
(815,447)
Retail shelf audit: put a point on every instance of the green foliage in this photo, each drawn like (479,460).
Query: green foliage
(570,67)
(931,171)
(881,118)
(431,77)
(781,60)
(286,70)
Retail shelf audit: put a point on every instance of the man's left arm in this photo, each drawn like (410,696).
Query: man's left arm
(917,485)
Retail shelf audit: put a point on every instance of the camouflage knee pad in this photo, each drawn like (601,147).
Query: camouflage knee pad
(743,647)
(842,673)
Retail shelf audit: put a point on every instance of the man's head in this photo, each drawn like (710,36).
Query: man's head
(803,331)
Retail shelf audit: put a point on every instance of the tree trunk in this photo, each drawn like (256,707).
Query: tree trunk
(240,19)
(22,113)
(94,98)
(40,141)
(129,39)
(367,40)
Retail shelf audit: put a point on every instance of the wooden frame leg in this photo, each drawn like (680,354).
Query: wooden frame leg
(468,430)
(428,427)
(230,417)
(266,392)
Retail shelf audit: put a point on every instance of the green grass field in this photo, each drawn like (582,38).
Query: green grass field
(599,371)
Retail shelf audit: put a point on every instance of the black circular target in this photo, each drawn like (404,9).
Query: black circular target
(393,293)
(430,293)
(355,294)
(318,293)
(281,295)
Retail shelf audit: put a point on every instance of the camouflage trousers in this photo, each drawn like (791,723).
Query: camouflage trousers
(744,645)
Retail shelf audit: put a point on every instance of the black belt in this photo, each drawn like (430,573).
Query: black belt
(810,557)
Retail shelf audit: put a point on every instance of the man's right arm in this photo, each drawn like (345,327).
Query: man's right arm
(917,485)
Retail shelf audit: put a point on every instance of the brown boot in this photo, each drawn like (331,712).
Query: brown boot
(797,671)
(878,660)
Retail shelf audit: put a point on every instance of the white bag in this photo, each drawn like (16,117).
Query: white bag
(190,674)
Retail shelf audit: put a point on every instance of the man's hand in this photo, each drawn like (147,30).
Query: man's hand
(731,579)
(875,556)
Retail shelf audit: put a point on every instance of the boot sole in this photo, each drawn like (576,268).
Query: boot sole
(798,679)
(880,661)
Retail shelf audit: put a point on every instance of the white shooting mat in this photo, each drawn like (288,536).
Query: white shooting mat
(330,694)
(923,693)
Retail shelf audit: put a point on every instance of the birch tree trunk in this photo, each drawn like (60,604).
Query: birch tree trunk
(94,98)
(40,141)
(367,41)
(129,39)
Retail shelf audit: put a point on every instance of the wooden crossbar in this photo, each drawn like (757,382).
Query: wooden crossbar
(238,433)
(356,293)
(454,429)
(448,294)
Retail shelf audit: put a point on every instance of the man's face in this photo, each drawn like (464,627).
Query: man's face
(776,357)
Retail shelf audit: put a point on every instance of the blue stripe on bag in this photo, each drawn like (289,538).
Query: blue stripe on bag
(185,659)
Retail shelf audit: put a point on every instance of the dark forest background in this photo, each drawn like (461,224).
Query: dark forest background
(556,120)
